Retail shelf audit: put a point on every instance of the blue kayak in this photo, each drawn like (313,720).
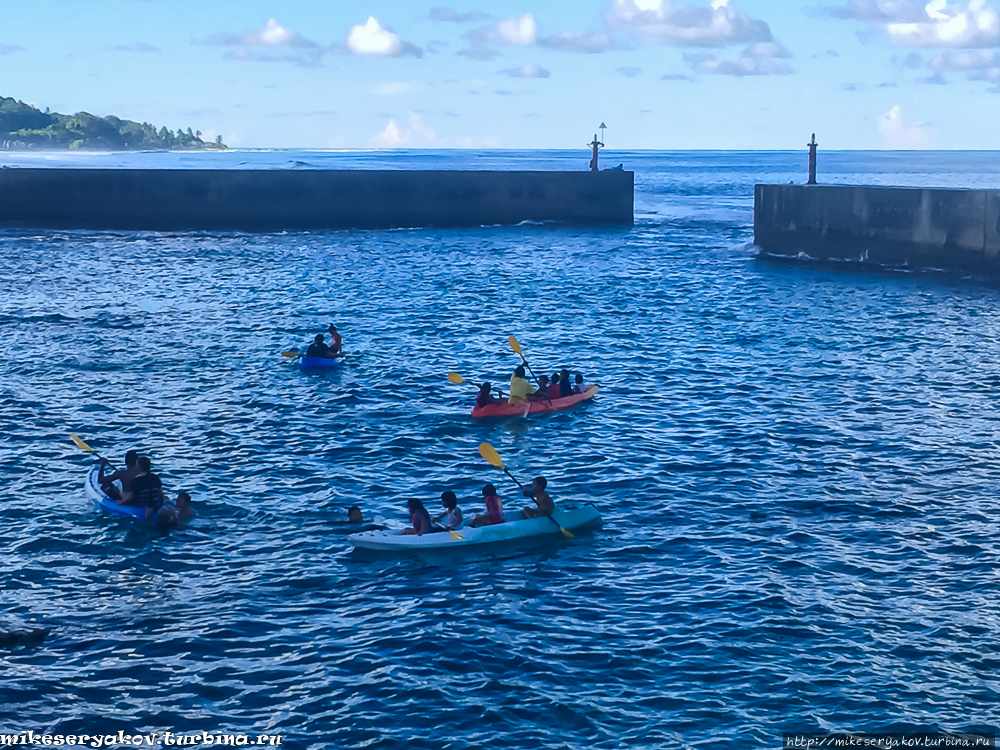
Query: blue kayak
(316,363)
(105,503)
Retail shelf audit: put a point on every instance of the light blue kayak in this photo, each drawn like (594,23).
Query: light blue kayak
(570,515)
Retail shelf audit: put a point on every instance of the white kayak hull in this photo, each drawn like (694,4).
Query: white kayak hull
(570,516)
(106,504)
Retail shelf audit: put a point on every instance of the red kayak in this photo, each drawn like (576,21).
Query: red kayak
(533,407)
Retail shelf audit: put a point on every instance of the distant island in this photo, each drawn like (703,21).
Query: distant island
(24,127)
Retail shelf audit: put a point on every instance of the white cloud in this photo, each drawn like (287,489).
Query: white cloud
(372,39)
(517,32)
(666,22)
(528,70)
(270,43)
(271,34)
(938,23)
(897,133)
(511,32)
(413,135)
(761,59)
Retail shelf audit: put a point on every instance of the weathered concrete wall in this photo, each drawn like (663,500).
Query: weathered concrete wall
(271,200)
(915,227)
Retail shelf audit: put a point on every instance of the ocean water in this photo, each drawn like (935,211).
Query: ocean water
(797,468)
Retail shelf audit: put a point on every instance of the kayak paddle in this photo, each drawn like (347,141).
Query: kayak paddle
(457,379)
(516,346)
(488,452)
(84,447)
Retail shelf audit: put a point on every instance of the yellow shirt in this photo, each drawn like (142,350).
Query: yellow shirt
(519,390)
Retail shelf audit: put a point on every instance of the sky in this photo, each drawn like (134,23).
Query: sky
(521,74)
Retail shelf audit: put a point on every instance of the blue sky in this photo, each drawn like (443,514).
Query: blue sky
(662,74)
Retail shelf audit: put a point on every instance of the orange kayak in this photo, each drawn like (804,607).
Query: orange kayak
(533,407)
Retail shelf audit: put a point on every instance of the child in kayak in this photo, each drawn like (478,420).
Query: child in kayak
(485,397)
(451,519)
(554,386)
(565,386)
(419,518)
(578,385)
(494,509)
(543,503)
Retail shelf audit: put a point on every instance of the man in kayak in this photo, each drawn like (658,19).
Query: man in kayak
(125,476)
(520,388)
(319,350)
(147,489)
(543,503)
(494,508)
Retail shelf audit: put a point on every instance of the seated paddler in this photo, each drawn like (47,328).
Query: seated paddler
(520,388)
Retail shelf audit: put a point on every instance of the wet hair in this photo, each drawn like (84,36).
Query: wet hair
(543,379)
(352,511)
(414,504)
(555,377)
(319,338)
(489,490)
(183,496)
(542,482)
(131,457)
(144,463)
(449,499)
(519,371)
(578,378)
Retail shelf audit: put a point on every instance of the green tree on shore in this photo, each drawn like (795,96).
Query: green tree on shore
(25,127)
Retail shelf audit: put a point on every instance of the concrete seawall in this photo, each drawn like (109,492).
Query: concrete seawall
(272,200)
(895,226)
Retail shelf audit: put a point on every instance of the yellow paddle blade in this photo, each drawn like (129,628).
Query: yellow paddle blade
(79,443)
(514,345)
(455,378)
(567,533)
(489,453)
(290,353)
(456,535)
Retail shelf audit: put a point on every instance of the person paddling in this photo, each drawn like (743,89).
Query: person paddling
(520,388)
(125,476)
(485,396)
(319,350)
(543,503)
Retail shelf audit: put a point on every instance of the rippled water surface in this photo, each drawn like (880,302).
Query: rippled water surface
(797,469)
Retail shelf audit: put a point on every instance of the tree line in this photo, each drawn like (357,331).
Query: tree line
(25,127)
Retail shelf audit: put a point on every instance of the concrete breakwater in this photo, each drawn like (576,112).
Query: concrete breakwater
(890,226)
(272,200)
